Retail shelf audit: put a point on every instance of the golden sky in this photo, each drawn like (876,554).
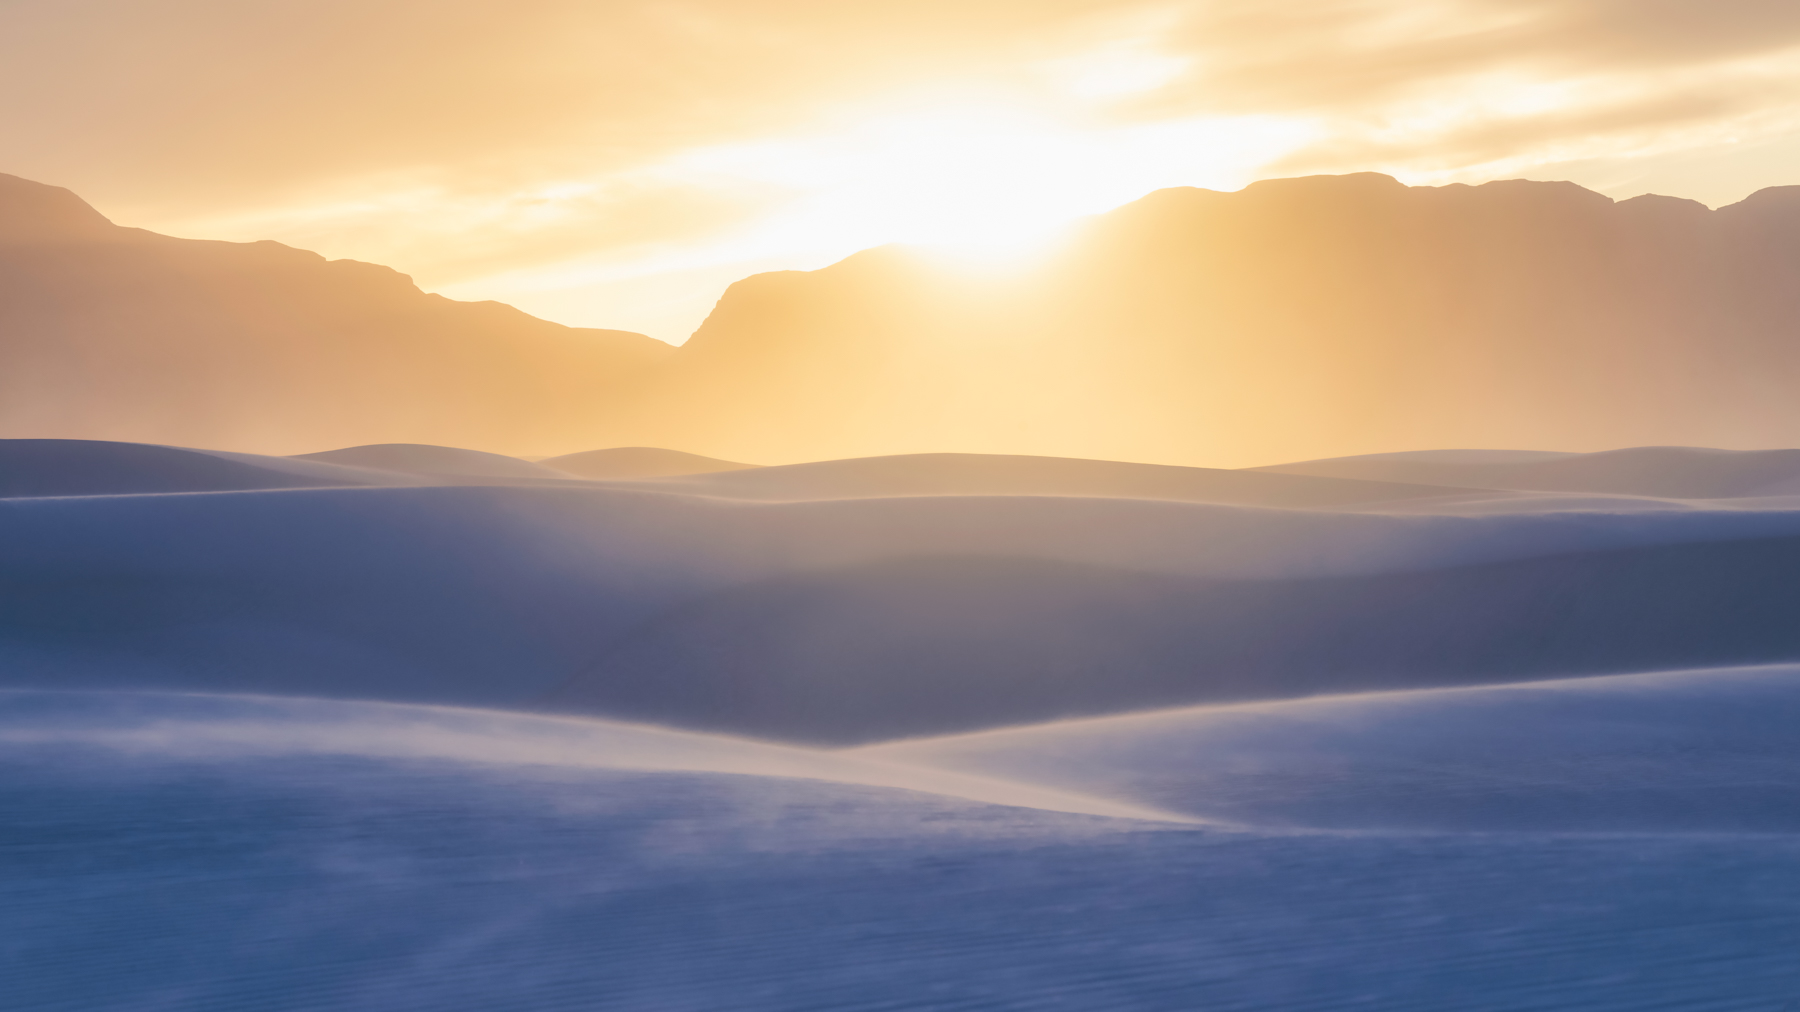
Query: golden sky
(616,163)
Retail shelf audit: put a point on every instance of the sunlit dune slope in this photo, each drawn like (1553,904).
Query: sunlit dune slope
(118,333)
(1293,319)
(997,474)
(211,728)
(872,612)
(1682,472)
(1686,751)
(424,459)
(638,462)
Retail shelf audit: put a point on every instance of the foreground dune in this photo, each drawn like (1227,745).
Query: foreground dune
(211,728)
(1687,751)
(216,852)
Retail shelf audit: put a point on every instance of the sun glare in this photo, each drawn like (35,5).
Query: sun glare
(991,181)
(1126,68)
(986,186)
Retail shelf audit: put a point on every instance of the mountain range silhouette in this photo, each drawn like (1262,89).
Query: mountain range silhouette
(1297,318)
(1321,316)
(118,333)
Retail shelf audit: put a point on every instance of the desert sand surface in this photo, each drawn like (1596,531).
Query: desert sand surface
(848,602)
(928,474)
(425,459)
(1675,472)
(453,728)
(421,857)
(1688,751)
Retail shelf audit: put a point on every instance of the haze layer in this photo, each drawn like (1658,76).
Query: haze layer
(1296,318)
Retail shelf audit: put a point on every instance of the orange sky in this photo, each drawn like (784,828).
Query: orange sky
(616,164)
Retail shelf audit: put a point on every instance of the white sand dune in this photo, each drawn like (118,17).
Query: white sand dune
(1695,751)
(1676,472)
(964,474)
(1682,751)
(235,728)
(918,646)
(287,856)
(80,467)
(1285,486)
(1609,843)
(254,854)
(638,462)
(43,467)
(616,598)
(849,620)
(421,458)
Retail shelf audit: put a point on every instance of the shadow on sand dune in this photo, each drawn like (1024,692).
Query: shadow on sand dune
(928,646)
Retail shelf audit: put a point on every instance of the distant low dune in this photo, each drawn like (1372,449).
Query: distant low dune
(81,467)
(638,462)
(1679,472)
(932,474)
(433,460)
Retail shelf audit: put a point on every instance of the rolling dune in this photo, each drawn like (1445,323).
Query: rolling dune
(1128,736)
(846,602)
(1676,472)
(1705,751)
(231,852)
(638,462)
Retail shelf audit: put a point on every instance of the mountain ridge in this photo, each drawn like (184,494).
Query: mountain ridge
(1307,317)
(1294,319)
(119,333)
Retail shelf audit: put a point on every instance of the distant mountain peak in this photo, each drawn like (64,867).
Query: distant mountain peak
(1660,203)
(33,212)
(115,332)
(1771,198)
(1349,181)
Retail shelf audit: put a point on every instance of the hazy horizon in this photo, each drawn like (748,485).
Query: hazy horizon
(1294,319)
